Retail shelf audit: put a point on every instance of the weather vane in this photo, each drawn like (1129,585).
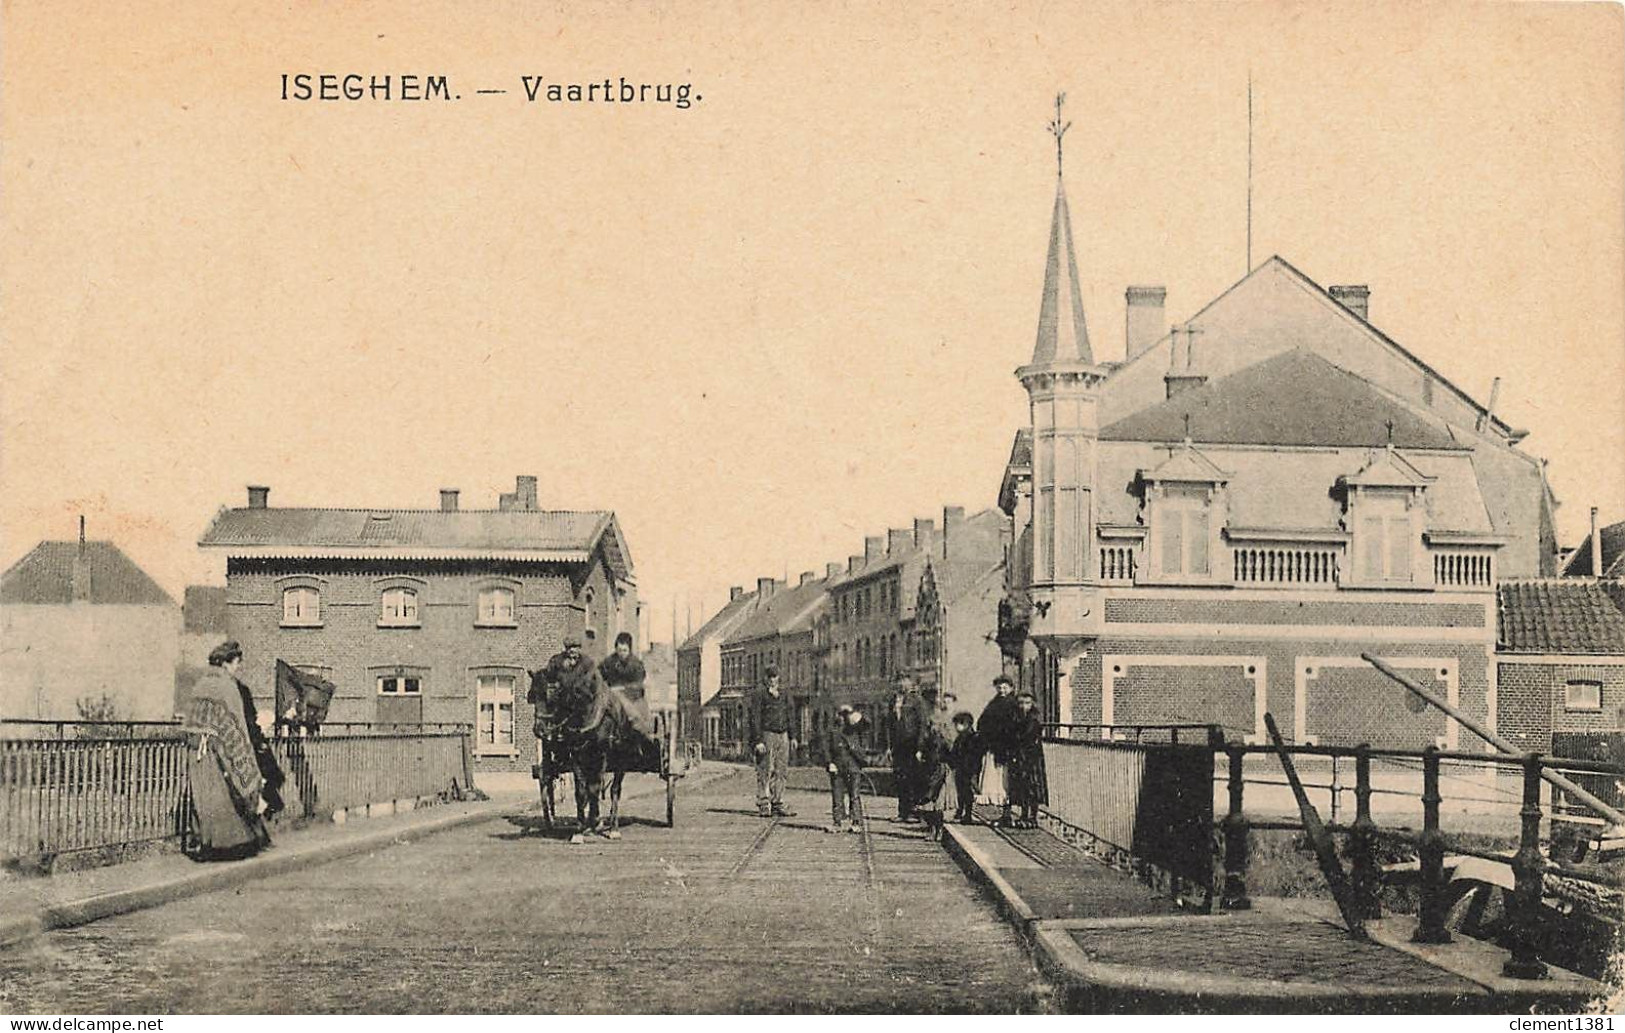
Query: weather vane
(1390,425)
(1058,129)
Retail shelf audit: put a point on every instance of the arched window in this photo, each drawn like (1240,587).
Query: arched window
(496,606)
(301,606)
(400,607)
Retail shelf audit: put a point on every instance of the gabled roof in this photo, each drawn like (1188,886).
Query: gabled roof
(1020,464)
(45,577)
(787,611)
(1292,398)
(722,623)
(1186,466)
(1558,616)
(958,577)
(556,535)
(725,695)
(1613,554)
(1063,336)
(1275,265)
(1389,469)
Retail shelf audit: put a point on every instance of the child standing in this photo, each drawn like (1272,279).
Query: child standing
(965,758)
(844,756)
(1028,785)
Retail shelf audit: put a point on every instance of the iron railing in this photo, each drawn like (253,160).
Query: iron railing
(1529,865)
(1150,804)
(1185,734)
(75,786)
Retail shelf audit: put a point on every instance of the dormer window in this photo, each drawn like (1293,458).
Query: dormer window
(1386,514)
(399,608)
(1184,530)
(1185,509)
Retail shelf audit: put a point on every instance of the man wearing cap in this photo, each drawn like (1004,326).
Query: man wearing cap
(768,724)
(566,686)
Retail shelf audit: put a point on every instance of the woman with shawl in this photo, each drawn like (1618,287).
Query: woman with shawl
(223,765)
(994,730)
(1028,783)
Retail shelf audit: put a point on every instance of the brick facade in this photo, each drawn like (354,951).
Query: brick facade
(447,649)
(1531,699)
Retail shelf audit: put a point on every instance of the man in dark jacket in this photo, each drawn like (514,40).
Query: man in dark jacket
(905,722)
(622,670)
(767,715)
(844,757)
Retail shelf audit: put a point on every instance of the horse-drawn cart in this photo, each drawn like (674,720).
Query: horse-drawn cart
(615,737)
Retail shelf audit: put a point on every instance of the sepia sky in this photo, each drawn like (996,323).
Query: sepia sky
(786,317)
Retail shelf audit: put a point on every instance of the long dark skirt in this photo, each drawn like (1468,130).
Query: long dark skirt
(1028,784)
(223,826)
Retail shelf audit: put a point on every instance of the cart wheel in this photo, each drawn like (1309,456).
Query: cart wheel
(671,802)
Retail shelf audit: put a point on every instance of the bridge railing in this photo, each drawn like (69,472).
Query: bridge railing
(68,787)
(1188,734)
(1474,787)
(1147,803)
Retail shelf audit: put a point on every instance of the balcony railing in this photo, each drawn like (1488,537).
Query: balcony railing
(1117,563)
(1285,565)
(1461,569)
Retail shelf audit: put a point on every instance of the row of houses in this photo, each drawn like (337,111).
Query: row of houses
(415,615)
(920,600)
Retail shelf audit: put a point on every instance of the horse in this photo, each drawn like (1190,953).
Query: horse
(598,741)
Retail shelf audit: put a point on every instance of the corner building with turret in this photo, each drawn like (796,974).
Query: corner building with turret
(1219,525)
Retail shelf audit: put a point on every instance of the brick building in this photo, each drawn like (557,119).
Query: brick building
(85,630)
(1221,524)
(950,645)
(430,615)
(779,633)
(1560,656)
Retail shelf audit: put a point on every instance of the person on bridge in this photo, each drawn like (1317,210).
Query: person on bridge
(905,720)
(965,754)
(844,756)
(994,730)
(930,758)
(768,726)
(1028,784)
(224,769)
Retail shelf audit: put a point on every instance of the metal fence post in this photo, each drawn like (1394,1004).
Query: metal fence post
(1234,897)
(1524,907)
(1430,848)
(1363,839)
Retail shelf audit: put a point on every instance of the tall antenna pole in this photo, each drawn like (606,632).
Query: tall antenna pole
(1058,129)
(1249,170)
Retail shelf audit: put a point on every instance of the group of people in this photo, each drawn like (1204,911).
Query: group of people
(997,759)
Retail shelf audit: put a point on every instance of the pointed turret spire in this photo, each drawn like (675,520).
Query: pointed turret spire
(1063,334)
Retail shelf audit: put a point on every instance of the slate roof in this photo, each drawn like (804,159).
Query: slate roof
(1613,554)
(1558,616)
(1293,398)
(45,577)
(573,534)
(1063,335)
(722,622)
(724,695)
(787,611)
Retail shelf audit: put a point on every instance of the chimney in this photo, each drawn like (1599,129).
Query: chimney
(79,584)
(1487,417)
(898,541)
(925,533)
(524,492)
(832,570)
(1356,297)
(1146,322)
(735,592)
(765,587)
(1182,377)
(853,563)
(806,576)
(952,517)
(258,496)
(448,500)
(874,547)
(1596,546)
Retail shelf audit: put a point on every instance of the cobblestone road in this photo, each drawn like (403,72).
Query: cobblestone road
(725,913)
